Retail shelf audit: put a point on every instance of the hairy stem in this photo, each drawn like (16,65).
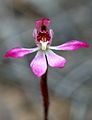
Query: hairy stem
(45,96)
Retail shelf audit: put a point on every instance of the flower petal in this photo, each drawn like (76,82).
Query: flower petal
(19,52)
(42,21)
(39,65)
(51,35)
(35,33)
(72,45)
(55,60)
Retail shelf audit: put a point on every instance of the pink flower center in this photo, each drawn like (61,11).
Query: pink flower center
(43,34)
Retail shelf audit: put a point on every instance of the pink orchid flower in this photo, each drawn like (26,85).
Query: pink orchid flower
(43,38)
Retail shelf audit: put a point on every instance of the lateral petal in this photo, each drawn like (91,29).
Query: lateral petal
(39,64)
(55,60)
(19,52)
(71,45)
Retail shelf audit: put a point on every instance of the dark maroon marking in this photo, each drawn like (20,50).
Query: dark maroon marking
(43,36)
(43,28)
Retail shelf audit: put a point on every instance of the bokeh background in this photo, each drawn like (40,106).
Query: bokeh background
(70,89)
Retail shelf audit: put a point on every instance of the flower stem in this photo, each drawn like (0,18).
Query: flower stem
(45,96)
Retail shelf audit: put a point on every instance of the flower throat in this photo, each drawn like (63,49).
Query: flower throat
(43,35)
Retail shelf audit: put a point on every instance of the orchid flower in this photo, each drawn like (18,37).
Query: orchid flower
(43,38)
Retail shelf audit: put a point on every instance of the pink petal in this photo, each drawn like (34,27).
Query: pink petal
(51,35)
(42,21)
(19,52)
(39,65)
(35,34)
(72,45)
(55,60)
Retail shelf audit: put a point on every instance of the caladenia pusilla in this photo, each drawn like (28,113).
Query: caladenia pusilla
(45,56)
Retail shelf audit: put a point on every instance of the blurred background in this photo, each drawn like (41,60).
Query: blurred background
(70,88)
